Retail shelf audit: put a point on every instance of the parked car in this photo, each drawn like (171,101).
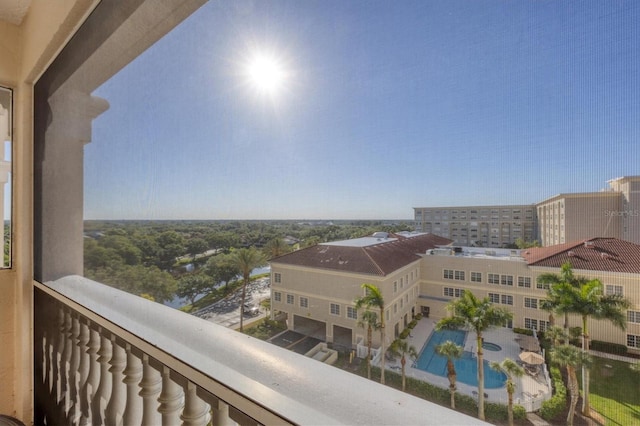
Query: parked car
(250,310)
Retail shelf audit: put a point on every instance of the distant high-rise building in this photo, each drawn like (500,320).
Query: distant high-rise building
(614,212)
(563,218)
(480,226)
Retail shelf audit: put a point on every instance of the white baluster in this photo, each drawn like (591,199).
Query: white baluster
(196,412)
(150,388)
(103,393)
(171,399)
(74,365)
(93,378)
(117,402)
(220,413)
(65,362)
(57,374)
(132,376)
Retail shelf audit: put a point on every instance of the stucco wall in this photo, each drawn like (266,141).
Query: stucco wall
(26,50)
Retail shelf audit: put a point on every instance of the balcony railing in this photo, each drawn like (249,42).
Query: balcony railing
(107,357)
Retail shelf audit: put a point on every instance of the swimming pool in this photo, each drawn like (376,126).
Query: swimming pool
(466,367)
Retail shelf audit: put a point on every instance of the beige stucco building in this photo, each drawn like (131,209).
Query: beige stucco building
(613,212)
(317,293)
(485,226)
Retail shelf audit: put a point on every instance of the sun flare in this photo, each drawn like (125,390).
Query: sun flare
(266,73)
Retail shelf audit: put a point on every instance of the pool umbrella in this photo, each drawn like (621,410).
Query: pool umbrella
(531,358)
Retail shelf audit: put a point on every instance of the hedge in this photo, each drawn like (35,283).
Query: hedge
(555,406)
(610,348)
(526,331)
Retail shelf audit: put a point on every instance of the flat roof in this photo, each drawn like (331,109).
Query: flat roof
(478,252)
(372,240)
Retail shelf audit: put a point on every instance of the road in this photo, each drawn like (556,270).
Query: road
(226,312)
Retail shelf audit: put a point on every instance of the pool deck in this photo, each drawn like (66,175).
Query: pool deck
(527,387)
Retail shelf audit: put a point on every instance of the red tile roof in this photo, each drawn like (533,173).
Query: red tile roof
(379,259)
(595,254)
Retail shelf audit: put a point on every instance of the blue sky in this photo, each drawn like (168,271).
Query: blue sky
(386,106)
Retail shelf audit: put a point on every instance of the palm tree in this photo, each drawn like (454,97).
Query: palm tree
(477,315)
(452,351)
(276,247)
(556,301)
(369,320)
(556,335)
(402,348)
(373,299)
(511,369)
(246,260)
(589,301)
(570,357)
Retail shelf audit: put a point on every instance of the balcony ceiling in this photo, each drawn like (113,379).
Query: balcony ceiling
(12,11)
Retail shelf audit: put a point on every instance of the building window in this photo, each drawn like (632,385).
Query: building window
(542,286)
(277,277)
(304,302)
(335,309)
(611,290)
(401,303)
(507,299)
(448,274)
(633,316)
(524,282)
(633,341)
(395,308)
(459,275)
(290,299)
(530,303)
(395,287)
(494,297)
(494,279)
(544,325)
(476,277)
(506,280)
(453,292)
(530,323)
(277,296)
(352,313)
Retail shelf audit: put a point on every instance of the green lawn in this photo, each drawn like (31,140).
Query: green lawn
(615,392)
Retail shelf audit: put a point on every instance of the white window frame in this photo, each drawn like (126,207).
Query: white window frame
(277,296)
(304,302)
(352,313)
(524,282)
(334,309)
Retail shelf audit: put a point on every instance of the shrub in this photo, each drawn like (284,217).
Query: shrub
(610,348)
(412,324)
(555,406)
(526,331)
(495,411)
(404,334)
(418,316)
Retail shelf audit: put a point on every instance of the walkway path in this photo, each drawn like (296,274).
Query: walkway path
(612,356)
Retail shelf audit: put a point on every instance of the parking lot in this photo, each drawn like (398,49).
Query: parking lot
(226,312)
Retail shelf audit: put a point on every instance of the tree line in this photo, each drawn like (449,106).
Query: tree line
(162,259)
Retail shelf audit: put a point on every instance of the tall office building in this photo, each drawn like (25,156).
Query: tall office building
(613,212)
(482,226)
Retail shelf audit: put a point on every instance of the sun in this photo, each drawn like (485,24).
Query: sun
(266,73)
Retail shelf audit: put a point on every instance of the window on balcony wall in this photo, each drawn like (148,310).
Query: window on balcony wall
(6,130)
